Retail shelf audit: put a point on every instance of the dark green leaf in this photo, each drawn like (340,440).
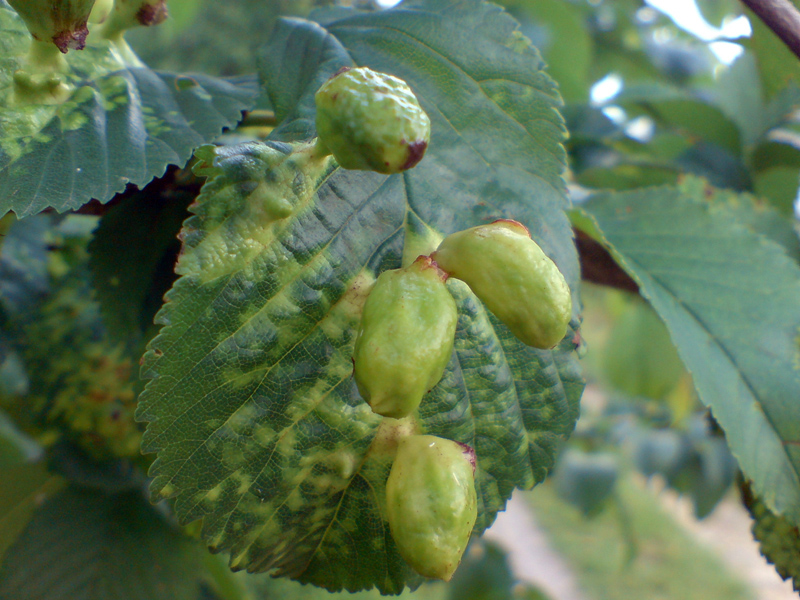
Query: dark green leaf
(585,480)
(778,538)
(121,125)
(24,488)
(16,448)
(86,545)
(134,250)
(253,410)
(729,299)
(484,574)
(779,185)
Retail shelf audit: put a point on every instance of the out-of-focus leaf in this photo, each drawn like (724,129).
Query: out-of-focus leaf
(24,488)
(661,452)
(777,65)
(628,176)
(716,11)
(690,115)
(16,448)
(24,280)
(639,358)
(738,91)
(208,36)
(779,185)
(484,574)
(559,31)
(85,544)
(586,480)
(122,124)
(717,471)
(716,164)
(74,379)
(729,299)
(252,408)
(134,249)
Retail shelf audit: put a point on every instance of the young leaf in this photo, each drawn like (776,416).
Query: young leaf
(252,408)
(729,299)
(120,125)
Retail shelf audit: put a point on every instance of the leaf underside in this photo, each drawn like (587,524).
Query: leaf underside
(252,407)
(121,125)
(728,296)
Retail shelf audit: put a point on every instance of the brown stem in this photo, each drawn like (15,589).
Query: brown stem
(598,267)
(782,17)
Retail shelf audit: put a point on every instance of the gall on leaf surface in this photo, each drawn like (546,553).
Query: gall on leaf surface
(252,407)
(121,124)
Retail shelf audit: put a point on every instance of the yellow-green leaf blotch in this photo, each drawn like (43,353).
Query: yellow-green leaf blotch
(511,274)
(405,339)
(371,121)
(431,503)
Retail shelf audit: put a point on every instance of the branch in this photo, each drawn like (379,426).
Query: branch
(782,18)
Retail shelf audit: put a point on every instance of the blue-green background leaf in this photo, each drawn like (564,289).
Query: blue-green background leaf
(729,297)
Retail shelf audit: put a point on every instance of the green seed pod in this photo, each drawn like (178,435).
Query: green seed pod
(371,121)
(62,22)
(431,503)
(511,274)
(406,338)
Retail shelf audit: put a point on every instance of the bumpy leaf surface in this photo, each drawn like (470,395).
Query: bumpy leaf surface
(121,125)
(253,410)
(729,299)
(778,538)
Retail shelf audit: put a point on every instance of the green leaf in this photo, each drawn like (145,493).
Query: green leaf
(563,39)
(586,480)
(484,574)
(689,115)
(15,447)
(729,299)
(253,410)
(134,249)
(122,124)
(24,488)
(756,214)
(778,539)
(639,358)
(779,185)
(740,95)
(778,66)
(85,544)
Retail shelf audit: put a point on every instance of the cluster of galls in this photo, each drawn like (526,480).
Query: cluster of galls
(403,347)
(373,121)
